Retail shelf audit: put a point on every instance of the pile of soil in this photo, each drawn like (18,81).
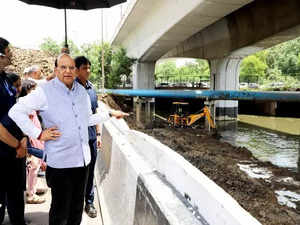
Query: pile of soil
(219,161)
(23,58)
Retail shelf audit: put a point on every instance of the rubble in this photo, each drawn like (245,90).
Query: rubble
(23,58)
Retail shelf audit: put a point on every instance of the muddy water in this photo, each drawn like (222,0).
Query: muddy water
(267,145)
(281,124)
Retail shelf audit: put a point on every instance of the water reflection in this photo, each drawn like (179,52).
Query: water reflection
(280,149)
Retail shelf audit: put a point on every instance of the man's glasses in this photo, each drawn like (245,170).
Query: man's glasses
(64,68)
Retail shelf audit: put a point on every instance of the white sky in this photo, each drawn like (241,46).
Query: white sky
(26,25)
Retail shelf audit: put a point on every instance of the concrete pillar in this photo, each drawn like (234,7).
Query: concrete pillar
(143,75)
(225,76)
(143,78)
(144,110)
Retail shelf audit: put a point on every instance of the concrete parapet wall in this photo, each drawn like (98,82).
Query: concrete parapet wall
(141,181)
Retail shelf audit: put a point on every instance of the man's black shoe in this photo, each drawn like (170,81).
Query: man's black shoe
(90,210)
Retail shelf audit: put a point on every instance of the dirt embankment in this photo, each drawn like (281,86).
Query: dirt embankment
(219,161)
(23,58)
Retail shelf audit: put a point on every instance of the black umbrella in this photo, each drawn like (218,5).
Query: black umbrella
(74,4)
(77,4)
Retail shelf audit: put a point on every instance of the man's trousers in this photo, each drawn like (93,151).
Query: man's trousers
(67,190)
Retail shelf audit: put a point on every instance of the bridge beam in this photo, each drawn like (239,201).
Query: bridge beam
(225,76)
(143,78)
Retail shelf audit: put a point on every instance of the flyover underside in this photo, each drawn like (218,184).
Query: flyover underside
(260,24)
(222,33)
(152,28)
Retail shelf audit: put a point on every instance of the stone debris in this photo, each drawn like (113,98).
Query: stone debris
(23,58)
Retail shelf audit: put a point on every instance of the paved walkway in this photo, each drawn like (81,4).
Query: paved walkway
(37,214)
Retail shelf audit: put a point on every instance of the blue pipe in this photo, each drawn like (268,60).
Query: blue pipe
(209,95)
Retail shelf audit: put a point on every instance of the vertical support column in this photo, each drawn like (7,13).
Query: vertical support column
(144,110)
(143,78)
(225,76)
(298,164)
(143,75)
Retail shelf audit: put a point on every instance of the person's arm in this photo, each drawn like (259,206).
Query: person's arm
(7,138)
(11,140)
(96,118)
(103,115)
(34,101)
(98,132)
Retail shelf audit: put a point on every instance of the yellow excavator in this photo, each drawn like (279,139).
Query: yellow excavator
(180,119)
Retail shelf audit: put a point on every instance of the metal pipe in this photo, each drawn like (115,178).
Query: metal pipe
(210,95)
(66,29)
(102,53)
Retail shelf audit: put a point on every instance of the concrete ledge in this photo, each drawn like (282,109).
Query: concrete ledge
(142,182)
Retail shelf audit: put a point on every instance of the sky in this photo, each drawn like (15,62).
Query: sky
(26,26)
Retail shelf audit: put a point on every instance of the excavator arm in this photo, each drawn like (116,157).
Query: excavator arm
(194,117)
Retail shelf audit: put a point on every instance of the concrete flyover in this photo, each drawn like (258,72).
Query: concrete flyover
(141,181)
(224,32)
(256,26)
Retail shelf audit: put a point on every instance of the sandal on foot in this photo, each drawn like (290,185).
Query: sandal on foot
(35,200)
(41,191)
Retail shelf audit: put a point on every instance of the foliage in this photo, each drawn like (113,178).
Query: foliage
(280,63)
(166,69)
(252,67)
(49,45)
(197,69)
(120,65)
(92,52)
(116,62)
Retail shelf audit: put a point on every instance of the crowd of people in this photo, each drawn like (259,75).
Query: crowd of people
(52,125)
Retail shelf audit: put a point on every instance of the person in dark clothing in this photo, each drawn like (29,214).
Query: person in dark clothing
(83,71)
(15,81)
(12,148)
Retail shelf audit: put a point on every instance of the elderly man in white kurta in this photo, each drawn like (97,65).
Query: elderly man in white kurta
(65,108)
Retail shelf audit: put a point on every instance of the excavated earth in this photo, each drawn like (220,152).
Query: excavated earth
(23,58)
(219,161)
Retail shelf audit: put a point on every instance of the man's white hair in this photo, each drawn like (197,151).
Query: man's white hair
(33,69)
(61,55)
(26,70)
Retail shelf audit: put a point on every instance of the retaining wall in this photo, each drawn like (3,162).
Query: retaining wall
(143,182)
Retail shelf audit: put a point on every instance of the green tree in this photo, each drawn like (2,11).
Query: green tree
(166,71)
(94,53)
(251,68)
(284,57)
(74,50)
(120,65)
(116,62)
(203,67)
(50,46)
